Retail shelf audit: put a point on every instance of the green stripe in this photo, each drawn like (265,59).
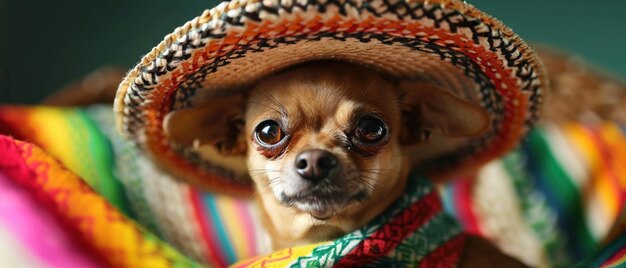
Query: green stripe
(537,214)
(127,167)
(562,187)
(97,160)
(436,232)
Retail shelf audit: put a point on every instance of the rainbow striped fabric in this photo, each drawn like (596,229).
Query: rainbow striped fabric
(65,223)
(554,202)
(215,229)
(559,196)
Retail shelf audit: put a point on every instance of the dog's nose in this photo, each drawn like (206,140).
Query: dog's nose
(316,165)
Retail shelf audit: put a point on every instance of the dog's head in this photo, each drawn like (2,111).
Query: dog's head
(327,137)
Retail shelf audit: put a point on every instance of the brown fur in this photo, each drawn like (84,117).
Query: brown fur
(321,106)
(318,105)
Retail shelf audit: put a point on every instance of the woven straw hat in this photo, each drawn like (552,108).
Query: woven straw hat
(450,44)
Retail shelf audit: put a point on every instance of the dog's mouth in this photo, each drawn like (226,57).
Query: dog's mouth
(322,206)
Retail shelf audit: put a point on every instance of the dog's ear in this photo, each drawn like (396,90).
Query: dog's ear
(427,109)
(218,122)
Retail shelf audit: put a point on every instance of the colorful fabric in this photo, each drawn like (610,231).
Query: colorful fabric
(220,230)
(25,220)
(72,137)
(228,227)
(568,186)
(548,200)
(104,235)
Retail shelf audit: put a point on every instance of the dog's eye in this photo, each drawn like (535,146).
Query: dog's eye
(269,133)
(370,129)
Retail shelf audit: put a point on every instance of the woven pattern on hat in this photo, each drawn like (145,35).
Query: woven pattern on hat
(447,43)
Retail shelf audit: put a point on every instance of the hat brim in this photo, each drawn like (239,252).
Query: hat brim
(447,43)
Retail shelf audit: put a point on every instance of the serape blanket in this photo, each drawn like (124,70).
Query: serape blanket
(77,195)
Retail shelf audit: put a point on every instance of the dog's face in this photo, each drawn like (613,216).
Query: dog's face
(326,140)
(321,139)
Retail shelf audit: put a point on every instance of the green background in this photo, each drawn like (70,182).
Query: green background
(46,44)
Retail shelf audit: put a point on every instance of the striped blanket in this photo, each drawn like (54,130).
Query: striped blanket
(554,202)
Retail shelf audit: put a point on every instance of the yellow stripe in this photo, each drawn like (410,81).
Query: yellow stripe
(233,225)
(600,182)
(282,258)
(614,137)
(54,139)
(63,131)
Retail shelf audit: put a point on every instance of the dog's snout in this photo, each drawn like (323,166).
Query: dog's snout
(316,165)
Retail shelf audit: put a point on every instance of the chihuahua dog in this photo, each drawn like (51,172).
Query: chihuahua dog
(326,144)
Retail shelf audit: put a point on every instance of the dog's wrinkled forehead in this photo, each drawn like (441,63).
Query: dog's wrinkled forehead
(310,94)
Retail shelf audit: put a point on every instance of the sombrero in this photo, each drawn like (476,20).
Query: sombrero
(450,44)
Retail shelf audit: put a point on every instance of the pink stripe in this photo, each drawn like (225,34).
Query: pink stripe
(243,212)
(38,231)
(214,254)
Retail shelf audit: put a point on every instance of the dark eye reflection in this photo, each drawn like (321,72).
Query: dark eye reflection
(269,133)
(370,130)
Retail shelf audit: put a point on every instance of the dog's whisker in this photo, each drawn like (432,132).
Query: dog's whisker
(400,154)
(379,173)
(268,185)
(262,173)
(283,110)
(257,192)
(371,189)
(271,182)
(375,192)
(254,195)
(378,170)
(368,169)
(267,106)
(365,90)
(338,218)
(264,169)
(292,219)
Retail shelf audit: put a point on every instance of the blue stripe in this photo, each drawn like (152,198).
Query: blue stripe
(535,153)
(220,231)
(447,198)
